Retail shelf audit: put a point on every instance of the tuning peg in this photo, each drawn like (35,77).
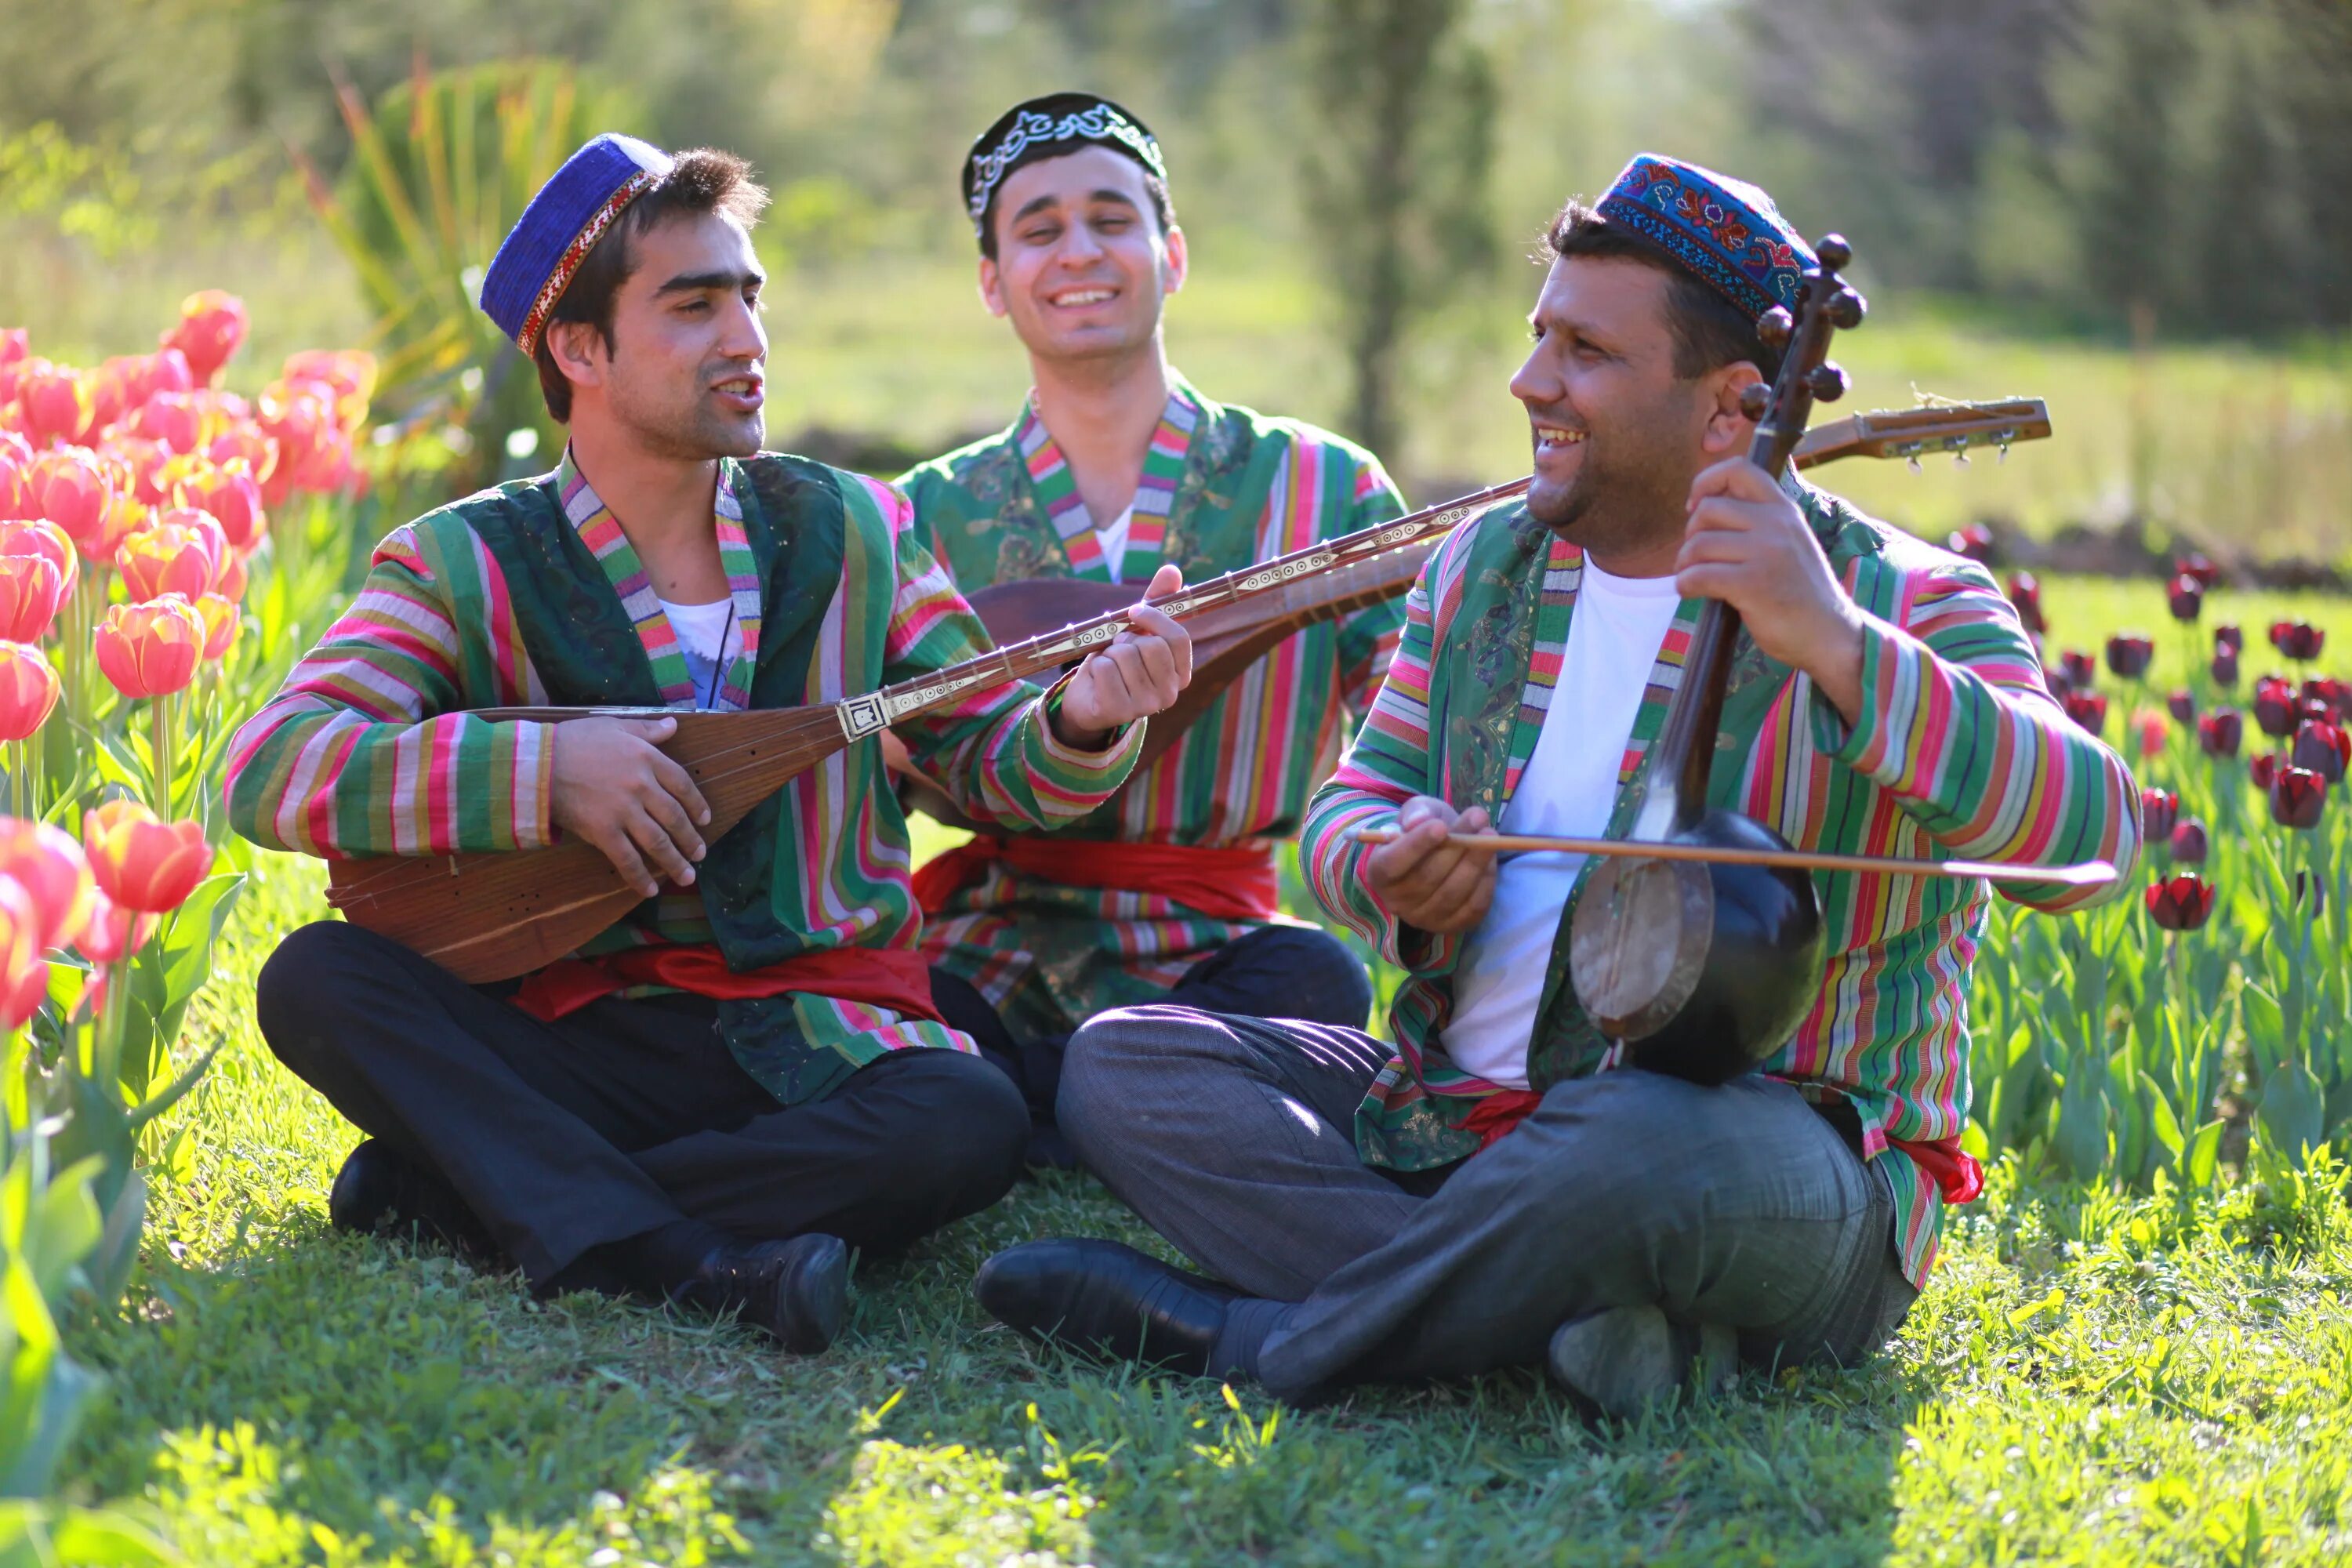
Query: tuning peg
(1834,251)
(1775,325)
(1754,399)
(1847,309)
(1827,381)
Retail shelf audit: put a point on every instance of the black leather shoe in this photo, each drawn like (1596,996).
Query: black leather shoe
(380,1190)
(1104,1300)
(795,1289)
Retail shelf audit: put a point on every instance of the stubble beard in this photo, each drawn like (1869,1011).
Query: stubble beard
(688,430)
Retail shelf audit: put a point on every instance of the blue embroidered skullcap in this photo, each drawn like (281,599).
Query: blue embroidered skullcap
(1048,127)
(1723,229)
(561,226)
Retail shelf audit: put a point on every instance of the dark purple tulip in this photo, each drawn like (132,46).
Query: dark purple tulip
(2088,708)
(2326,689)
(2055,680)
(2221,732)
(2323,749)
(2312,710)
(2298,796)
(2227,635)
(2297,640)
(2181,703)
(2275,707)
(2189,847)
(2128,655)
(2318,892)
(2225,667)
(2182,902)
(1975,542)
(2158,810)
(2196,566)
(2263,767)
(2187,598)
(2025,595)
(2082,670)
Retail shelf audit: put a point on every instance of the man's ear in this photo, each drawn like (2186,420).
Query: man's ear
(991,286)
(579,352)
(1727,430)
(1180,260)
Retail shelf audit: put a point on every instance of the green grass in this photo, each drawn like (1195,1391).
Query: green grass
(2090,1378)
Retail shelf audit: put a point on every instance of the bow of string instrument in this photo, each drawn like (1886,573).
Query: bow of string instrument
(1697,940)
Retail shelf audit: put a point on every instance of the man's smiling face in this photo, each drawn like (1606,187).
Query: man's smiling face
(1082,265)
(688,365)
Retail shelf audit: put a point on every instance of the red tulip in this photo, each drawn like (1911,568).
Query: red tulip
(2189,847)
(2194,565)
(2082,670)
(2262,768)
(31,587)
(1975,542)
(2181,703)
(2312,710)
(2225,667)
(2220,732)
(24,978)
(2149,728)
(2329,692)
(2182,902)
(2025,594)
(114,933)
(141,862)
(54,401)
(28,690)
(2128,655)
(2158,810)
(2323,749)
(52,868)
(152,648)
(2187,598)
(2087,709)
(181,553)
(221,624)
(212,325)
(228,493)
(2275,702)
(71,489)
(2227,635)
(2297,797)
(2297,640)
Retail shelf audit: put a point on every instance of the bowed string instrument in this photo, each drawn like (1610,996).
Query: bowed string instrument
(1697,943)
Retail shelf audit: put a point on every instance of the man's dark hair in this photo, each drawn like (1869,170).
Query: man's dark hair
(1709,330)
(701,180)
(1162,207)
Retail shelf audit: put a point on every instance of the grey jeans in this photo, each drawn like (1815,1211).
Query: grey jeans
(1740,1206)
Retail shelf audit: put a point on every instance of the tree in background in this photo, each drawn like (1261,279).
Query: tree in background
(1398,148)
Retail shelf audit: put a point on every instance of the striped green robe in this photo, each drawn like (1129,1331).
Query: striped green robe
(529,595)
(1959,748)
(1222,488)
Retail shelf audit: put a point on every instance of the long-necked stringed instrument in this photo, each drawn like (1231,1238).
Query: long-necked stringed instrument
(1228,640)
(491,916)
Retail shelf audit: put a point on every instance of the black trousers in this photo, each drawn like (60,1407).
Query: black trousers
(626,1118)
(1275,972)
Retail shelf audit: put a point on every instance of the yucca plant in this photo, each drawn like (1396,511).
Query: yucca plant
(441,167)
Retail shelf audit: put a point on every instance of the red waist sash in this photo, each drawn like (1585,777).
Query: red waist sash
(1235,884)
(897,978)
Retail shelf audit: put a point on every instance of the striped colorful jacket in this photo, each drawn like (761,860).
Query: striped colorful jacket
(528,593)
(1222,488)
(1961,748)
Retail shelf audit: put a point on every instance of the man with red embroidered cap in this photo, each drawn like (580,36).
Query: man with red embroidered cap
(1494,1189)
(711,1100)
(1116,464)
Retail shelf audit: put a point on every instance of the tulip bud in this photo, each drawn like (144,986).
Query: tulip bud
(16,343)
(2055,680)
(54,401)
(2128,655)
(2181,703)
(2182,902)
(2297,640)
(231,578)
(2262,768)
(141,862)
(114,933)
(2323,749)
(2158,810)
(2082,670)
(2087,709)
(2187,598)
(70,489)
(2227,635)
(2298,796)
(1975,542)
(2149,727)
(221,623)
(2221,732)
(31,536)
(2189,847)
(181,553)
(31,587)
(2275,702)
(245,443)
(2197,568)
(52,868)
(2328,692)
(347,373)
(28,690)
(227,491)
(2025,594)
(150,649)
(212,325)
(2225,667)
(174,418)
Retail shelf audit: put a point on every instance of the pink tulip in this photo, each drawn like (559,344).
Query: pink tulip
(54,401)
(212,325)
(227,492)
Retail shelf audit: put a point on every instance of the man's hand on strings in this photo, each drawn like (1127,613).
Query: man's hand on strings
(1137,675)
(615,788)
(1748,544)
(1426,881)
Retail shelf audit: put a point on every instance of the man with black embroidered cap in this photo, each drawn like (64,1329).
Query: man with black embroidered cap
(1493,1188)
(711,1100)
(1114,465)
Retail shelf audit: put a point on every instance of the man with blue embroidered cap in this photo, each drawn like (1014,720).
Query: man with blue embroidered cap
(1116,464)
(711,1100)
(1492,1189)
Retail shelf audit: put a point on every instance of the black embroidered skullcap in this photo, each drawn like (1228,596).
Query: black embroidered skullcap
(1048,127)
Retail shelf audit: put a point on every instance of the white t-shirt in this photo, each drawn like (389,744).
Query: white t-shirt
(1568,788)
(1113,541)
(699,630)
